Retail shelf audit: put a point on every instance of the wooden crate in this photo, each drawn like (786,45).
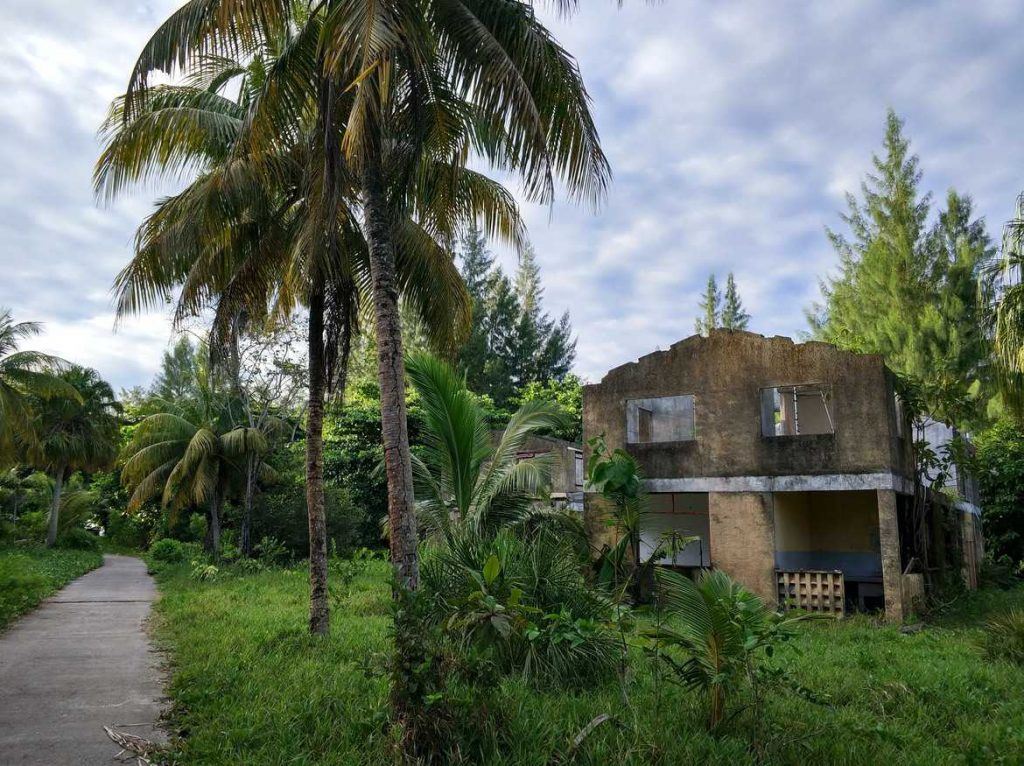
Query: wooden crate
(812,591)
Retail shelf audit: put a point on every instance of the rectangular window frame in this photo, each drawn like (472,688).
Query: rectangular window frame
(634,431)
(771,405)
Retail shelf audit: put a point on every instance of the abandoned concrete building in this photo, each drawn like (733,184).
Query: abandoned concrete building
(566,468)
(792,464)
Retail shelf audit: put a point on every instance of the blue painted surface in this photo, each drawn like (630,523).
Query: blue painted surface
(851,564)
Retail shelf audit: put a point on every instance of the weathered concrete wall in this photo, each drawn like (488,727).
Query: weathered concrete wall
(725,372)
(743,539)
(889,544)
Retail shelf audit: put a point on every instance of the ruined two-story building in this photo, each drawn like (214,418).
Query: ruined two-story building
(791,464)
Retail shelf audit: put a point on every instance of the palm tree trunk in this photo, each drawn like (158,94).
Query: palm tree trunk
(391,372)
(319,609)
(58,486)
(250,490)
(716,705)
(214,530)
(407,704)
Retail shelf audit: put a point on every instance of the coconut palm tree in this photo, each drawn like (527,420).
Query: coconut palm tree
(716,634)
(528,114)
(191,456)
(439,78)
(465,478)
(273,224)
(79,433)
(24,376)
(1009,313)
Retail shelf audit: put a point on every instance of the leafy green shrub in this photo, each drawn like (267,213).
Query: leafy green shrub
(204,572)
(20,590)
(130,530)
(999,573)
(280,513)
(523,605)
(246,565)
(272,551)
(79,539)
(32,526)
(197,527)
(352,456)
(1003,637)
(1000,459)
(168,551)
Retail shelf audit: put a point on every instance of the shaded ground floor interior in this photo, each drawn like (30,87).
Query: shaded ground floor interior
(834,551)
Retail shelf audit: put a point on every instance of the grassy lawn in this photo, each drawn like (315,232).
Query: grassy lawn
(249,686)
(28,574)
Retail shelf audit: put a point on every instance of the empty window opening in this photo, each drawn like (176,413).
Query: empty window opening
(664,419)
(675,530)
(798,410)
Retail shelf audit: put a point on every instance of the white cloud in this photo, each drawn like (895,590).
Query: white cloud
(733,129)
(736,129)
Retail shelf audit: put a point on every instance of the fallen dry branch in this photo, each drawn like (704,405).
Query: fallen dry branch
(132,747)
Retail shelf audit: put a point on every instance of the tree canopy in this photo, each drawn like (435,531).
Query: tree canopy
(912,291)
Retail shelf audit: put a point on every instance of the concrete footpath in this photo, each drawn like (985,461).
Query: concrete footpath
(79,662)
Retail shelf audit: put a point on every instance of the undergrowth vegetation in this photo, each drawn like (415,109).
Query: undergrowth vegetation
(251,686)
(28,574)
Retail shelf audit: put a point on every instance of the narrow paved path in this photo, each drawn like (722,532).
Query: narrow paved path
(79,662)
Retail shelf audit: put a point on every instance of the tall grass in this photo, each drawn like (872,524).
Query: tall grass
(28,574)
(250,686)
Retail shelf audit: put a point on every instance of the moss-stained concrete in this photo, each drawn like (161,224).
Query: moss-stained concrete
(743,539)
(725,373)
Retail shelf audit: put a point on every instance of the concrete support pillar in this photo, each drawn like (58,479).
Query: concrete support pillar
(743,539)
(597,513)
(889,544)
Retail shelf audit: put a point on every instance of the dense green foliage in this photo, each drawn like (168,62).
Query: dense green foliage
(279,513)
(1009,314)
(59,425)
(352,458)
(1000,475)
(567,393)
(28,574)
(884,697)
(913,291)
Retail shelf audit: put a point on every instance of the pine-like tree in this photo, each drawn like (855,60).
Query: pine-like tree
(907,291)
(528,286)
(734,316)
(502,366)
(513,342)
(710,307)
(178,372)
(477,266)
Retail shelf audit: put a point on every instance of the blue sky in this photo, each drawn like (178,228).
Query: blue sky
(734,130)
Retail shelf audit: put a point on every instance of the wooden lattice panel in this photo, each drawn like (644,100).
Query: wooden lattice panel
(813,591)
